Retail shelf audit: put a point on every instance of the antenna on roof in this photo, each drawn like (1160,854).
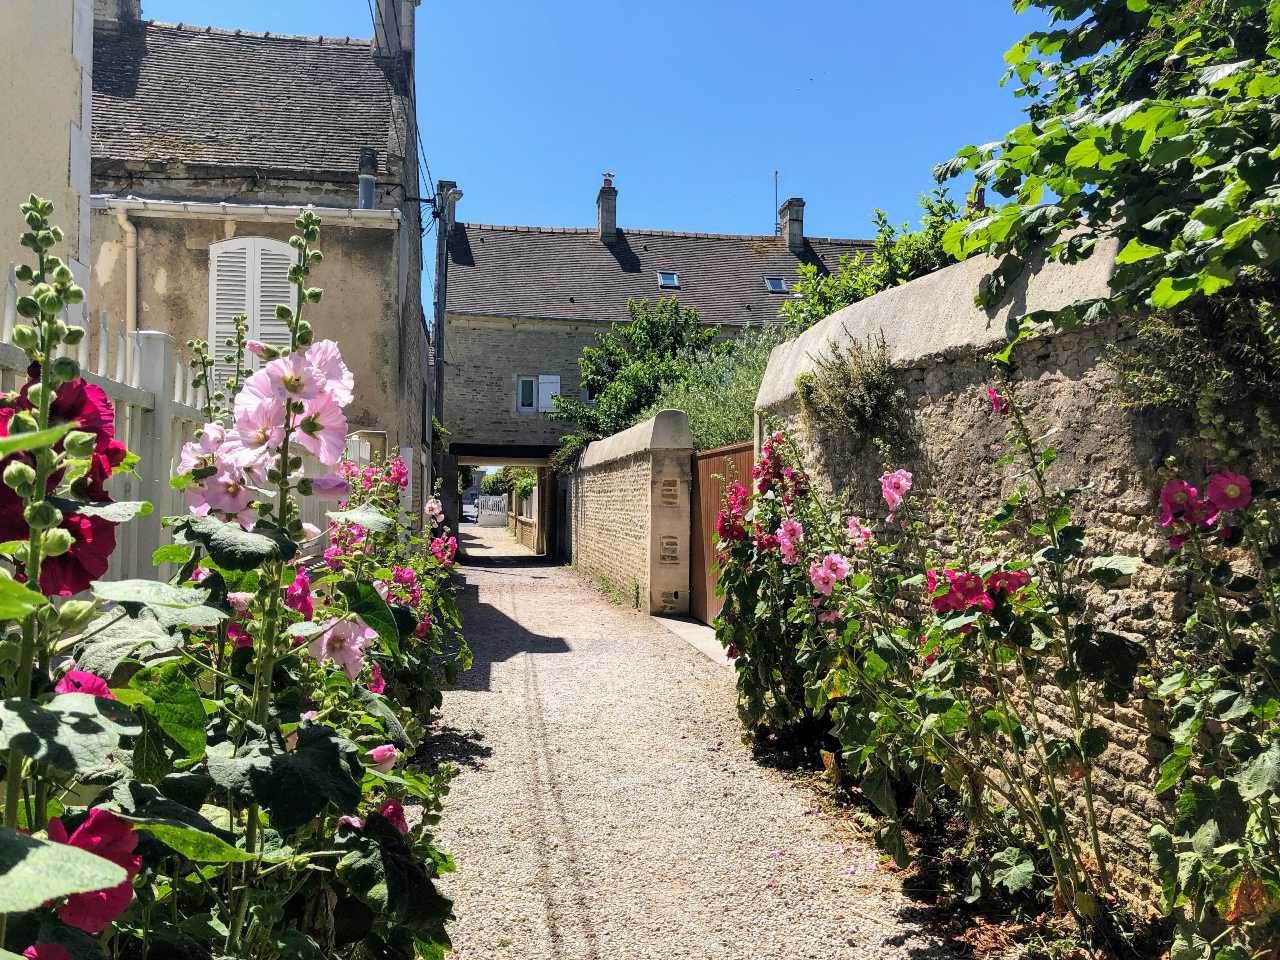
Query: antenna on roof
(777,224)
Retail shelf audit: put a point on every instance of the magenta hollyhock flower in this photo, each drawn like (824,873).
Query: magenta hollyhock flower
(970,589)
(333,557)
(377,683)
(345,643)
(355,823)
(859,534)
(767,542)
(1008,582)
(444,550)
(384,757)
(239,636)
(1177,540)
(831,616)
(81,681)
(327,366)
(837,565)
(297,596)
(894,486)
(1175,497)
(822,578)
(394,811)
(998,403)
(424,626)
(1230,491)
(1201,513)
(404,575)
(322,432)
(107,836)
(726,529)
(46,951)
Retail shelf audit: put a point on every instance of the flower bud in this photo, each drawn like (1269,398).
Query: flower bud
(35,395)
(23,422)
(24,336)
(42,516)
(75,294)
(34,220)
(73,336)
(28,308)
(57,542)
(63,275)
(79,444)
(75,613)
(305,334)
(25,274)
(19,476)
(65,369)
(313,294)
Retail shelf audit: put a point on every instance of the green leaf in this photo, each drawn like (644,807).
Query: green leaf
(367,603)
(121,511)
(1261,775)
(1171,291)
(1211,76)
(149,592)
(1084,154)
(234,548)
(17,600)
(1138,6)
(196,845)
(1136,251)
(175,704)
(372,520)
(36,440)
(35,871)
(178,553)
(305,629)
(382,871)
(200,617)
(1173,767)
(889,839)
(878,789)
(126,638)
(73,732)
(1094,741)
(1014,869)
(1107,570)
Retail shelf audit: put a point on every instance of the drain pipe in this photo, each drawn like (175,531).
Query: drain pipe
(131,288)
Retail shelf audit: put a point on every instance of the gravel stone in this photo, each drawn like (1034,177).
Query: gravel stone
(606,808)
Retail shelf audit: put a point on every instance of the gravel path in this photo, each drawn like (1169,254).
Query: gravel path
(606,809)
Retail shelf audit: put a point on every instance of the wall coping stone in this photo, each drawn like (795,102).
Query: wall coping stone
(935,315)
(669,430)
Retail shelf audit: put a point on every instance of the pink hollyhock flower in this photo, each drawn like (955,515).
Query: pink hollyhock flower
(1175,497)
(256,347)
(107,836)
(822,578)
(297,596)
(859,534)
(791,529)
(46,951)
(291,377)
(435,511)
(325,360)
(404,576)
(258,429)
(333,557)
(355,823)
(837,565)
(322,431)
(384,757)
(377,683)
(227,493)
(345,643)
(831,616)
(445,550)
(239,601)
(1230,491)
(394,812)
(1008,582)
(239,636)
(998,403)
(423,628)
(894,486)
(331,487)
(199,573)
(309,715)
(787,546)
(81,681)
(970,589)
(203,450)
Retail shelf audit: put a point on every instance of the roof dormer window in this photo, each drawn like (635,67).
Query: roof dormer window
(775,284)
(668,280)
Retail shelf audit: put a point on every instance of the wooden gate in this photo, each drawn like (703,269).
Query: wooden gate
(712,470)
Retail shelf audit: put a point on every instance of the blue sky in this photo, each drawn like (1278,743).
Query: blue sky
(692,104)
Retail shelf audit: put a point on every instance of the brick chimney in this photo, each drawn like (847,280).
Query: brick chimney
(607,210)
(791,224)
(114,15)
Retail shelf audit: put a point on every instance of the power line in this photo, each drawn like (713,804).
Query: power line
(412,86)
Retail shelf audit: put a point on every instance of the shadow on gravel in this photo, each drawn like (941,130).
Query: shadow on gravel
(464,748)
(471,554)
(494,638)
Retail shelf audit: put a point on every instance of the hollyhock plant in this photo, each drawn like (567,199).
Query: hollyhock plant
(81,681)
(393,810)
(377,683)
(1229,491)
(108,836)
(384,757)
(445,549)
(297,596)
(345,642)
(1175,497)
(239,636)
(894,486)
(822,578)
(858,533)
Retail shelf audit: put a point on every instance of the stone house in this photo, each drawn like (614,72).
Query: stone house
(207,144)
(518,304)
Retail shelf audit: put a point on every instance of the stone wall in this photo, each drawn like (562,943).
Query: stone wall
(940,342)
(629,506)
(485,356)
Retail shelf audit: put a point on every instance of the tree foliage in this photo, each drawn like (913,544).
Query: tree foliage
(897,256)
(627,368)
(517,480)
(1152,122)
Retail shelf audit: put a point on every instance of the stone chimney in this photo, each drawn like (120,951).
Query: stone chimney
(791,224)
(607,210)
(393,38)
(114,15)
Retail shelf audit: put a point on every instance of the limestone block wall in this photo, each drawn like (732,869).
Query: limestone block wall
(940,342)
(629,504)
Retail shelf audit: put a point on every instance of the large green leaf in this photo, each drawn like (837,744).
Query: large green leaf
(169,696)
(112,640)
(200,617)
(364,600)
(1261,775)
(152,593)
(234,548)
(1013,869)
(17,600)
(382,872)
(34,871)
(35,440)
(194,844)
(73,732)
(293,787)
(372,520)
(120,511)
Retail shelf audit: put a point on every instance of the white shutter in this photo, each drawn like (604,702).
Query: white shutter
(230,282)
(548,390)
(272,288)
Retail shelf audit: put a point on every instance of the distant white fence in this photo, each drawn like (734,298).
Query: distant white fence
(157,411)
(492,511)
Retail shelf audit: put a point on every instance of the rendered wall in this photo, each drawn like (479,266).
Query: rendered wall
(629,503)
(941,341)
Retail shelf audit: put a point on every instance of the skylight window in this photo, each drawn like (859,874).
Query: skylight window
(775,284)
(668,280)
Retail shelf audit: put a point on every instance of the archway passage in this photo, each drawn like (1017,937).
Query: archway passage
(537,520)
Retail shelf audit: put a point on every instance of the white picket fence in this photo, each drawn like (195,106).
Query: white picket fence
(157,410)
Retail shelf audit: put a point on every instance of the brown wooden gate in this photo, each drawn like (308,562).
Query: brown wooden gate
(712,470)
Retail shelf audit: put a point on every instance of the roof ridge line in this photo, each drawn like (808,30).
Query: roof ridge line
(315,38)
(520,228)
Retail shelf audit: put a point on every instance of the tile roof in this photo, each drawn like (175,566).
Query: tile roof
(200,95)
(568,273)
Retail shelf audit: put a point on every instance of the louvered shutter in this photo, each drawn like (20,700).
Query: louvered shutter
(271,289)
(548,390)
(230,286)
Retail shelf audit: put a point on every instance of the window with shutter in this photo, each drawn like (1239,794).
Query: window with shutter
(249,275)
(548,390)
